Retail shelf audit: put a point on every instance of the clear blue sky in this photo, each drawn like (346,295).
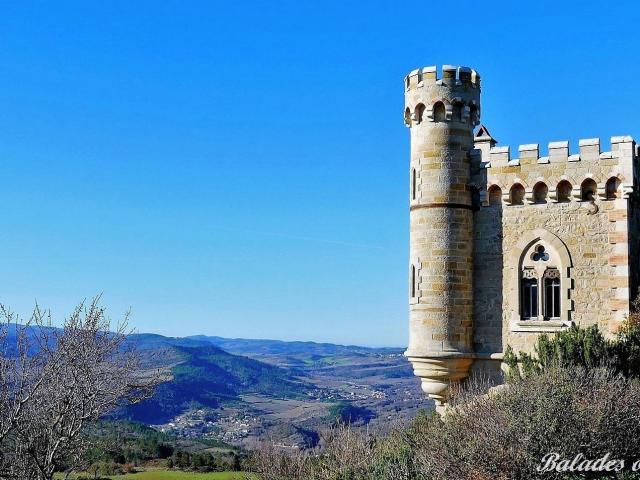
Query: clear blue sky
(240,168)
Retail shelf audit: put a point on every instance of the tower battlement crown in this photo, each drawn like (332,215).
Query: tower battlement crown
(453,96)
(449,75)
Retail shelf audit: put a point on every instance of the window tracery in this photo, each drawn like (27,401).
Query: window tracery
(540,272)
(540,286)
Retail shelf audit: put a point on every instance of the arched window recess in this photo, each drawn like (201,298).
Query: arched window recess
(541,266)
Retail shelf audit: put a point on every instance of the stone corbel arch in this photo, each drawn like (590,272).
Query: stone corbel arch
(429,112)
(529,191)
(514,260)
(622,186)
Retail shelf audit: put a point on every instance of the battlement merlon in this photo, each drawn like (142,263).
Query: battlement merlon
(451,74)
(559,164)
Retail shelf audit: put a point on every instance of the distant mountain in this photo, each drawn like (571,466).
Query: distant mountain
(152,341)
(205,375)
(244,346)
(251,375)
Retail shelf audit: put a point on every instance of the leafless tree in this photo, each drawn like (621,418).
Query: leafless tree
(54,382)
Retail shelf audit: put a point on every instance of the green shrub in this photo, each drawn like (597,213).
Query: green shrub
(583,348)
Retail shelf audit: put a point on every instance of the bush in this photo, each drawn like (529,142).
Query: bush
(583,348)
(346,412)
(567,411)
(129,468)
(574,347)
(100,470)
(501,436)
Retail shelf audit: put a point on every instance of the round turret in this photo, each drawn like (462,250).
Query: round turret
(441,114)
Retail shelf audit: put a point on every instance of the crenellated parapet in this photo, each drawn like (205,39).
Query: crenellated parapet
(450,74)
(452,97)
(586,175)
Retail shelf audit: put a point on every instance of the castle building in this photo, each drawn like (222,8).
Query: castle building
(501,248)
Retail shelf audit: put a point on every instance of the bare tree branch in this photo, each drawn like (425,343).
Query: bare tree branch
(54,382)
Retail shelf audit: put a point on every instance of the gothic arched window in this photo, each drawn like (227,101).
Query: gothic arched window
(540,285)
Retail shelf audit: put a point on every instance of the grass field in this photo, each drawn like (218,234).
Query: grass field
(162,475)
(175,475)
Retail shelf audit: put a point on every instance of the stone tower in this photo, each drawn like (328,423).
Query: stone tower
(441,114)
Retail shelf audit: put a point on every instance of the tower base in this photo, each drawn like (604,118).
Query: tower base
(439,371)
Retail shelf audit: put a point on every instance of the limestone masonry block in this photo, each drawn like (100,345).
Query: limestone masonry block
(589,149)
(529,150)
(558,152)
(500,156)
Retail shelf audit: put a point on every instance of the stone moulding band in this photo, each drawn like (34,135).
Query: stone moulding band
(444,355)
(441,205)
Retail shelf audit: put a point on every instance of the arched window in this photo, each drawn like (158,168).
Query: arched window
(540,191)
(413,282)
(457,112)
(439,112)
(475,199)
(540,284)
(473,114)
(588,190)
(414,183)
(516,195)
(419,112)
(407,116)
(563,191)
(542,281)
(551,279)
(495,195)
(612,188)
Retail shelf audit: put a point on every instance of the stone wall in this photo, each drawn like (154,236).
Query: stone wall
(590,233)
